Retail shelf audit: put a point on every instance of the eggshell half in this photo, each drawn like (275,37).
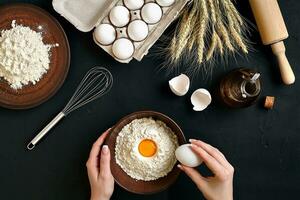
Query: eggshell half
(200,99)
(180,85)
(186,156)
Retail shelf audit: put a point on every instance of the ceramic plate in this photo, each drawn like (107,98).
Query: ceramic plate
(33,95)
(125,181)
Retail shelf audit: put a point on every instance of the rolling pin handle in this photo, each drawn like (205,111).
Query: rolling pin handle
(286,71)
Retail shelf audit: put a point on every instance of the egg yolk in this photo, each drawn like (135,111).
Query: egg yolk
(147,148)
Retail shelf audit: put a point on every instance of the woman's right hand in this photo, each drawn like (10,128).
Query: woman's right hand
(98,168)
(219,186)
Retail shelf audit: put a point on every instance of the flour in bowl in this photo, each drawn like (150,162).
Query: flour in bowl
(24,58)
(145,149)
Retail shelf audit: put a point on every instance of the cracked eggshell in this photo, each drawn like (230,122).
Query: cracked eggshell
(200,99)
(123,48)
(105,34)
(180,84)
(186,156)
(165,3)
(119,16)
(151,13)
(134,4)
(137,30)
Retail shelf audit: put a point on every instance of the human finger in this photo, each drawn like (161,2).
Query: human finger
(210,161)
(196,177)
(214,152)
(97,145)
(105,162)
(92,163)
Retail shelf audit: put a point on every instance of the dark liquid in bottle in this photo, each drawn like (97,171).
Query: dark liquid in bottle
(237,90)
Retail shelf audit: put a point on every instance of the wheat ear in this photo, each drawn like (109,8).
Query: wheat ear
(202,29)
(213,43)
(212,47)
(173,48)
(224,35)
(237,38)
(220,27)
(192,41)
(212,11)
(175,40)
(220,44)
(232,23)
(235,12)
(184,33)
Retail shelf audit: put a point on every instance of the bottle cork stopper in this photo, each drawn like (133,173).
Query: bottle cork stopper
(269,102)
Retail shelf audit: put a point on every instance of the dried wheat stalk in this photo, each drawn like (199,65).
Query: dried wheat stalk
(184,33)
(233,22)
(213,45)
(213,27)
(202,28)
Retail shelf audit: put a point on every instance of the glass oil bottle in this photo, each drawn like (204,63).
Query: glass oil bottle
(240,88)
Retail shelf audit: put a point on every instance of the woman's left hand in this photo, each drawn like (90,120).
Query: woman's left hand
(99,173)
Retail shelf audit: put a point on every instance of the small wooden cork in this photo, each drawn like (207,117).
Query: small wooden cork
(269,102)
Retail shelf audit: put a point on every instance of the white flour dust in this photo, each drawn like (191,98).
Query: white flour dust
(24,58)
(132,162)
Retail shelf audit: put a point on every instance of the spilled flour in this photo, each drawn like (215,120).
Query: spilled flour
(130,159)
(24,58)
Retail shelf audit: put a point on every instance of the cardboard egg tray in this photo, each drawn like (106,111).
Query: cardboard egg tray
(88,14)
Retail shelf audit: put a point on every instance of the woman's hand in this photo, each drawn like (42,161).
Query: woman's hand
(98,168)
(219,186)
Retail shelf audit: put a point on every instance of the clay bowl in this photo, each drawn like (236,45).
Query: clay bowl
(125,181)
(34,17)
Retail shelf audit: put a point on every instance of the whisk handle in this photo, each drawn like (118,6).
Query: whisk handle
(41,134)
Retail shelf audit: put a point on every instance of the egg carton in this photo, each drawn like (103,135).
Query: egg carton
(125,29)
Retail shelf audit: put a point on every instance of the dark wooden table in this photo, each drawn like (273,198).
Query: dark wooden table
(263,146)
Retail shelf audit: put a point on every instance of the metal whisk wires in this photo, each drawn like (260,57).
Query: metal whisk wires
(96,83)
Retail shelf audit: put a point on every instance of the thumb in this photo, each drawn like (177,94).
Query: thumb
(196,177)
(105,162)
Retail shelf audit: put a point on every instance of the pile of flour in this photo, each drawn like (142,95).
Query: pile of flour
(146,168)
(24,58)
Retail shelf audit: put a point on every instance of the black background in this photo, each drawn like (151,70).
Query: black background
(263,146)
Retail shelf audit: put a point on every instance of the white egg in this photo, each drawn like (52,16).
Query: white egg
(151,13)
(137,30)
(165,3)
(105,34)
(134,4)
(123,48)
(186,156)
(119,16)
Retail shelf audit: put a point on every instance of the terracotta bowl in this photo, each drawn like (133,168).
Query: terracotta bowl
(137,186)
(34,17)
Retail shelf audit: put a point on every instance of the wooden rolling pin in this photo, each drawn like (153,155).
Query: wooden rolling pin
(273,31)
